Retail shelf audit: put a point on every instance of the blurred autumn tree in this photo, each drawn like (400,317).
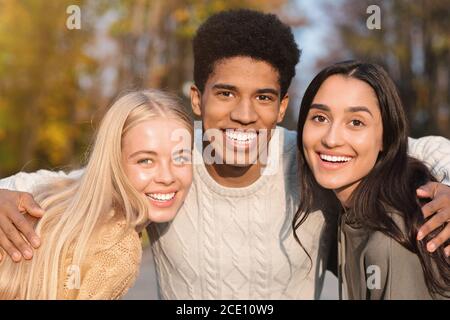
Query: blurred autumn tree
(56,83)
(40,63)
(413,44)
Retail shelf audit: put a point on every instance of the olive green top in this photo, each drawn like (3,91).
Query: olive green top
(373,266)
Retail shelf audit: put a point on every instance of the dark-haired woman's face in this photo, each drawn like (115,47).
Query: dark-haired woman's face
(342,134)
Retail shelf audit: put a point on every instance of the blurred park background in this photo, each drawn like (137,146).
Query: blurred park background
(56,83)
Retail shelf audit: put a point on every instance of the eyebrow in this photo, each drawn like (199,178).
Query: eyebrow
(224,86)
(234,88)
(181,151)
(320,107)
(153,153)
(359,108)
(324,107)
(268,90)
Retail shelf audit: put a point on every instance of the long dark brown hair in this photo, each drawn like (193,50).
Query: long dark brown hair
(392,183)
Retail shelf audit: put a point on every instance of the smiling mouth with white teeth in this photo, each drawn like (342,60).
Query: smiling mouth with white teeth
(161,197)
(334,159)
(241,138)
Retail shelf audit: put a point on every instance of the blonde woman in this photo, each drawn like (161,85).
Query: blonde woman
(139,171)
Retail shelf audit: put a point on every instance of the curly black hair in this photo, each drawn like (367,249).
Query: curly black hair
(245,33)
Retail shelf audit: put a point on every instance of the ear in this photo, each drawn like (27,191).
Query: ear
(283,106)
(196,97)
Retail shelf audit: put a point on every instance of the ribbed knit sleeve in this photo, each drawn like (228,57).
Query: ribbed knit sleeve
(110,271)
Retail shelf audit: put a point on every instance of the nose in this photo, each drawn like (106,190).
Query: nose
(333,136)
(164,174)
(244,112)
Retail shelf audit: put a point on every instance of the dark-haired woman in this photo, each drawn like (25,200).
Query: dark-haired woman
(353,149)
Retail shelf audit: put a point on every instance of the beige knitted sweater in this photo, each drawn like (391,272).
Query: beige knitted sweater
(113,259)
(110,268)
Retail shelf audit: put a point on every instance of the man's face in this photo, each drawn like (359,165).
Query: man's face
(239,106)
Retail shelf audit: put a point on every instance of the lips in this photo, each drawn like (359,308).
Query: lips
(161,196)
(334,158)
(161,199)
(333,162)
(240,139)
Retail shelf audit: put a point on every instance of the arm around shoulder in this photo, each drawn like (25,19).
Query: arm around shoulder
(26,182)
(434,151)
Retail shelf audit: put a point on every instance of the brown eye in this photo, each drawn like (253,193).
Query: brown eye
(225,94)
(264,98)
(357,123)
(319,118)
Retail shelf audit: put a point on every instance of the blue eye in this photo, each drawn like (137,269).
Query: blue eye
(145,161)
(181,160)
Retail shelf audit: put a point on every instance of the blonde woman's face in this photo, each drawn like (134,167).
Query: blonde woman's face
(156,156)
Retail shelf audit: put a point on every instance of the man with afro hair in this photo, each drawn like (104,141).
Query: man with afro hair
(233,238)
(245,33)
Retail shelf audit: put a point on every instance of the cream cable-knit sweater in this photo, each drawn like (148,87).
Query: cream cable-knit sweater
(237,242)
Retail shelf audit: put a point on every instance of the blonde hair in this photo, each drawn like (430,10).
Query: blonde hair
(75,209)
